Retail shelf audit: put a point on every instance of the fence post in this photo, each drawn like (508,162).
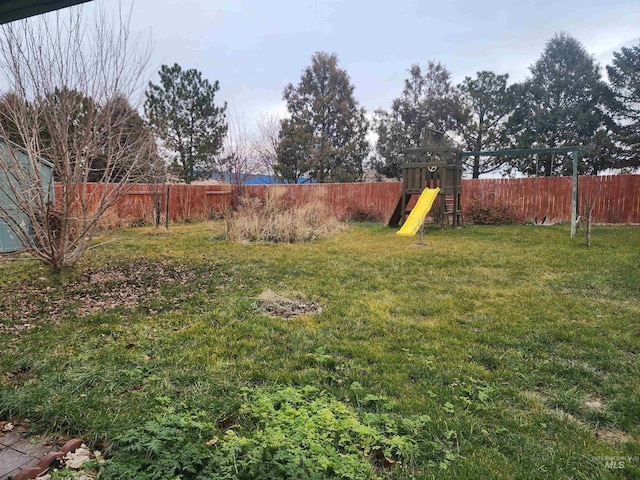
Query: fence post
(166,217)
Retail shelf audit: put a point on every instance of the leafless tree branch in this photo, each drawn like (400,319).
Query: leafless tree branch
(74,87)
(266,143)
(238,157)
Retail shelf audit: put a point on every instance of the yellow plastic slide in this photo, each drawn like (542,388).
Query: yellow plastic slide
(416,217)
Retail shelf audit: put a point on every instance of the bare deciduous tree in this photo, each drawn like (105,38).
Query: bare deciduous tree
(70,77)
(266,144)
(238,157)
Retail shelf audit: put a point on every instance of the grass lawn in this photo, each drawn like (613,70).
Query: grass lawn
(492,352)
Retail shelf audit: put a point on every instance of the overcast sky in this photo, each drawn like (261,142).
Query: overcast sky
(254,48)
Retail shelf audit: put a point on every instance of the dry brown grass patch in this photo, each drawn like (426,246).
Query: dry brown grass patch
(612,436)
(276,218)
(286,307)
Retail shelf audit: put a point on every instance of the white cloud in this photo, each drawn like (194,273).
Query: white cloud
(255,48)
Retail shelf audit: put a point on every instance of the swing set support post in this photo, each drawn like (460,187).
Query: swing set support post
(574,193)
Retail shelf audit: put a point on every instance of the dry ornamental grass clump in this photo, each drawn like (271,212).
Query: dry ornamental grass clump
(276,219)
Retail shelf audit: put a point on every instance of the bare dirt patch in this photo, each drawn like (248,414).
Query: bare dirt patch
(613,436)
(290,306)
(594,403)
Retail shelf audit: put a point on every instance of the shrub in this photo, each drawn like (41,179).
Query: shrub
(358,212)
(487,211)
(275,218)
(110,221)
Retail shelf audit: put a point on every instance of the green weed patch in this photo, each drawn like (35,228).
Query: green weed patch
(276,433)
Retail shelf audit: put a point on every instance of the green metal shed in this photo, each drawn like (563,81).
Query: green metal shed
(9,241)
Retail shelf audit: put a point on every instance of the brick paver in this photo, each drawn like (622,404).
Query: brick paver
(16,453)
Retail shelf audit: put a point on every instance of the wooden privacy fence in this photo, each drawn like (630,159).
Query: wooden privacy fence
(617,198)
(141,203)
(364,201)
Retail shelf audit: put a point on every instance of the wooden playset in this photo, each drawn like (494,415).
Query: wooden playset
(432,167)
